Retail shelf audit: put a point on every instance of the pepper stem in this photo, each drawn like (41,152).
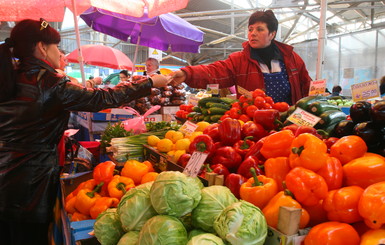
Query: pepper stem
(121,186)
(201,146)
(256,180)
(97,188)
(297,150)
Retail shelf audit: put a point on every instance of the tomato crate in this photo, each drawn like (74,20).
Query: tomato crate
(162,162)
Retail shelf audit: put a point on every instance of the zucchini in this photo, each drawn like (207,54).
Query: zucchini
(330,117)
(306,101)
(216,111)
(191,114)
(319,107)
(202,102)
(204,111)
(218,105)
(207,118)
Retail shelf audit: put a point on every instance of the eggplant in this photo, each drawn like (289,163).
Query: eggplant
(370,134)
(344,128)
(378,113)
(360,111)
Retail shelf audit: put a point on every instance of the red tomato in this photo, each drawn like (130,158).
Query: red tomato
(244,118)
(258,92)
(269,100)
(281,106)
(267,106)
(235,113)
(243,99)
(259,102)
(250,110)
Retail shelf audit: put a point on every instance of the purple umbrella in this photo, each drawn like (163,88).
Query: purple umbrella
(161,32)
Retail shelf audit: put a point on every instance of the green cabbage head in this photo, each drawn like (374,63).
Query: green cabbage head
(174,193)
(163,230)
(241,223)
(108,229)
(205,239)
(130,238)
(215,198)
(135,207)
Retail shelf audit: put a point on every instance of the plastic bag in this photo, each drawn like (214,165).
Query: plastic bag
(137,124)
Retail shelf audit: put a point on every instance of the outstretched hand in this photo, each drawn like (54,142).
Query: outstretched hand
(177,77)
(160,80)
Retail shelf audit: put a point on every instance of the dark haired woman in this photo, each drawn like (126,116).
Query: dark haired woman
(35,104)
(263,63)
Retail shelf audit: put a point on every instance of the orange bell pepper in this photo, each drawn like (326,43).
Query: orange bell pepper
(342,204)
(119,185)
(308,187)
(148,177)
(277,144)
(277,169)
(317,214)
(372,205)
(104,172)
(149,165)
(348,148)
(283,198)
(258,190)
(79,217)
(332,173)
(365,170)
(308,151)
(86,198)
(135,170)
(332,233)
(89,184)
(373,237)
(102,204)
(70,205)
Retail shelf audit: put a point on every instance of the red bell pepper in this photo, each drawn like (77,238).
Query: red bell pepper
(183,159)
(253,129)
(227,156)
(268,118)
(234,182)
(243,146)
(249,162)
(255,150)
(220,169)
(292,127)
(202,143)
(229,131)
(213,131)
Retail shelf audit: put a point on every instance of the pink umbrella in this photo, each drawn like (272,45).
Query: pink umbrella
(100,55)
(53,10)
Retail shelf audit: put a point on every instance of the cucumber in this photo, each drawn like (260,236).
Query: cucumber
(202,102)
(228,101)
(215,118)
(204,111)
(207,118)
(197,109)
(218,105)
(330,117)
(306,101)
(319,107)
(216,111)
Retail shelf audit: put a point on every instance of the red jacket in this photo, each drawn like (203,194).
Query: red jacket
(240,70)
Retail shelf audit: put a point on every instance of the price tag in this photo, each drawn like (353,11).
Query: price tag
(245,92)
(365,90)
(195,163)
(303,118)
(193,100)
(188,128)
(213,89)
(317,87)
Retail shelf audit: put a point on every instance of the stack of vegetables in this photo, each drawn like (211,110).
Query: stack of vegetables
(177,209)
(106,188)
(210,109)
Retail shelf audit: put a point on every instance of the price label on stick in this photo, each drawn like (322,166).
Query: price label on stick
(365,90)
(195,163)
(188,128)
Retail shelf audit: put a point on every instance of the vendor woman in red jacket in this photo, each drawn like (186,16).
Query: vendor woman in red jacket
(263,63)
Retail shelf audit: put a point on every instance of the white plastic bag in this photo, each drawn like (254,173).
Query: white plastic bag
(137,124)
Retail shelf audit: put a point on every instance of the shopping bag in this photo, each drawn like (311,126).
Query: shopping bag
(137,124)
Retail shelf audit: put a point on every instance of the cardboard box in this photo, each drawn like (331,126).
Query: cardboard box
(162,162)
(275,237)
(76,232)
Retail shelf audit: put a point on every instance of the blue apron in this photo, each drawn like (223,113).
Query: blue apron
(277,85)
